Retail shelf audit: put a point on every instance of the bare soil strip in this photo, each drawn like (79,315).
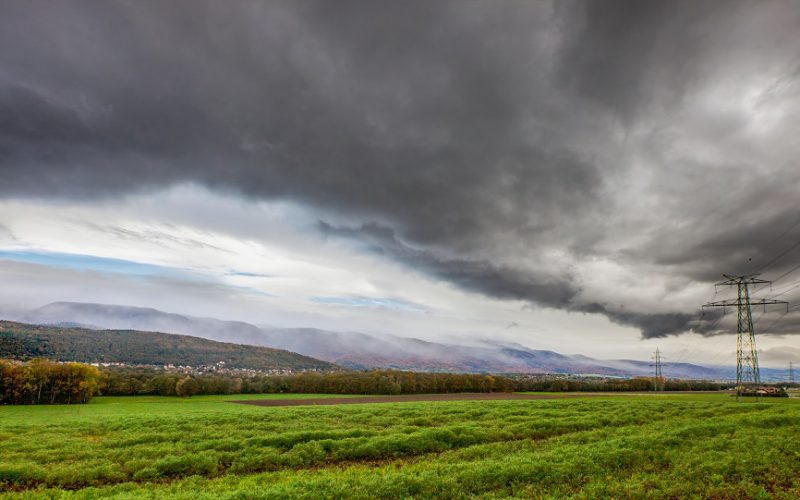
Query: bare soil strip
(482,396)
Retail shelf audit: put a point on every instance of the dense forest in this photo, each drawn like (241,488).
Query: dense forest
(23,342)
(43,382)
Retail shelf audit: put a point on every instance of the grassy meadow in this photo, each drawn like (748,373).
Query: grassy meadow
(205,447)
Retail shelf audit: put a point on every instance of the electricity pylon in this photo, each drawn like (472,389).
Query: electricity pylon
(791,372)
(747,372)
(658,381)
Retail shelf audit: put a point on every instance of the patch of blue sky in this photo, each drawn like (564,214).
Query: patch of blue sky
(244,274)
(371,302)
(82,262)
(253,291)
(135,270)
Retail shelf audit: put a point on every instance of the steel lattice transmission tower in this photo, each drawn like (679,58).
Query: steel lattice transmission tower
(658,381)
(747,372)
(791,372)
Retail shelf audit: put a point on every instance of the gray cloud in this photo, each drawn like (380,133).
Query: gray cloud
(483,277)
(782,355)
(477,137)
(6,234)
(474,275)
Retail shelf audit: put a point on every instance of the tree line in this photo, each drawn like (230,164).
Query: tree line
(638,384)
(130,381)
(44,382)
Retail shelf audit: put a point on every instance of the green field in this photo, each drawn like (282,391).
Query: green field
(621,446)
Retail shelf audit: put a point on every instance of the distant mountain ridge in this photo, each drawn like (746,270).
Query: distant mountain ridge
(101,316)
(359,350)
(132,347)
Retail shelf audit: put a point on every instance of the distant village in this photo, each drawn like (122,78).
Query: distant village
(218,368)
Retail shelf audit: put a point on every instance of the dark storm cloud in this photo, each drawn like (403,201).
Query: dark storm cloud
(474,275)
(406,110)
(628,53)
(479,134)
(485,278)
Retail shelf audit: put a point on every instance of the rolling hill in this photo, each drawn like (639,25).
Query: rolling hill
(359,350)
(25,341)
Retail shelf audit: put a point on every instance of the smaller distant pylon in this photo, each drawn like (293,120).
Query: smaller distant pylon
(658,379)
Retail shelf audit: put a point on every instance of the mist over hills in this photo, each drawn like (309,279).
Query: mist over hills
(142,318)
(359,350)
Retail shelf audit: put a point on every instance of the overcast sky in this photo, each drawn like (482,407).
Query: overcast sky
(569,175)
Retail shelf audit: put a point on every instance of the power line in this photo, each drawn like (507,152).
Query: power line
(780,255)
(784,287)
(796,286)
(787,273)
(777,320)
(797,223)
(781,317)
(716,321)
(760,316)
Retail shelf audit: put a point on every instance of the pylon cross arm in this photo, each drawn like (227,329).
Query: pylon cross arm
(749,279)
(736,302)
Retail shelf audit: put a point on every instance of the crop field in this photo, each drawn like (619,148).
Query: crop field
(621,446)
(457,396)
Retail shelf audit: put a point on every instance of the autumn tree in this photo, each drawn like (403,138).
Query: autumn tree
(44,382)
(186,387)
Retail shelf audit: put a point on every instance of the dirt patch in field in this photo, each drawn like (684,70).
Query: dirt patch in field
(482,396)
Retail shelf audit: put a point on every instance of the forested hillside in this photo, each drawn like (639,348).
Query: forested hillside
(22,341)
